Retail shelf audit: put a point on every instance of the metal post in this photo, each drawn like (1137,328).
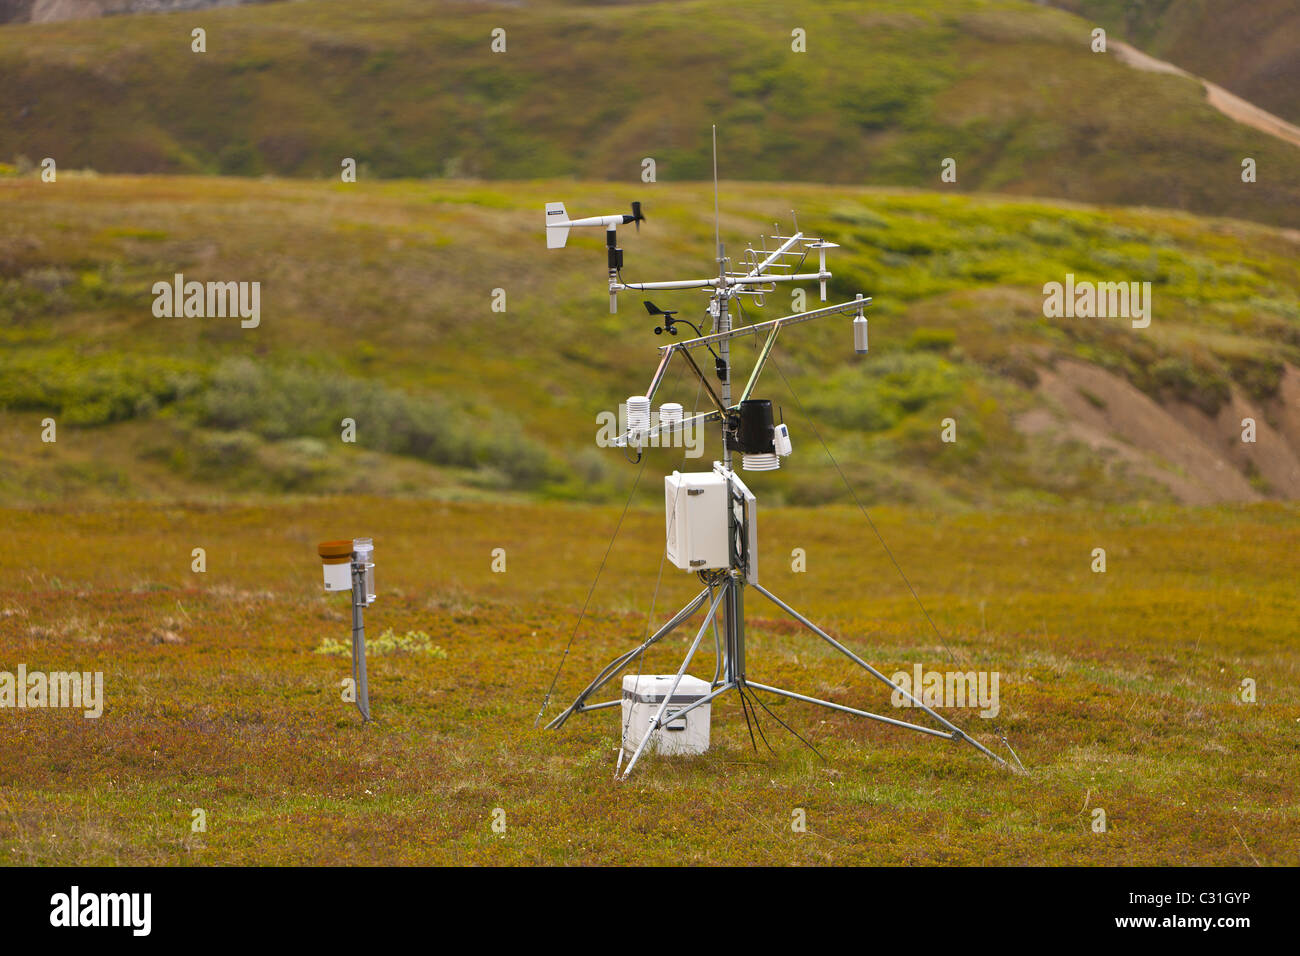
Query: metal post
(611,239)
(360,685)
(724,352)
(734,608)
(720,673)
(737,614)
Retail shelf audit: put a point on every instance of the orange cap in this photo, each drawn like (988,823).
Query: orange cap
(335,552)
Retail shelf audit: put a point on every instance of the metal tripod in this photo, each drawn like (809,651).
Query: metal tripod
(726,597)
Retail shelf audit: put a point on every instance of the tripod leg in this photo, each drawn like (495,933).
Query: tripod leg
(654,724)
(614,666)
(848,710)
(717,650)
(957,732)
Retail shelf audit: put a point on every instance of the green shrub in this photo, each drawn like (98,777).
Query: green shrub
(1259,377)
(877,395)
(95,389)
(932,340)
(225,450)
(281,403)
(1193,382)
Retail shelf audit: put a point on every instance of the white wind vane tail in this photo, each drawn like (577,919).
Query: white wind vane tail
(557,225)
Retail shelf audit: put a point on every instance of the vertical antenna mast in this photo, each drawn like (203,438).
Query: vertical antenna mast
(721,318)
(717,241)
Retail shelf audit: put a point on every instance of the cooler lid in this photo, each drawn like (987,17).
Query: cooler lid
(651,688)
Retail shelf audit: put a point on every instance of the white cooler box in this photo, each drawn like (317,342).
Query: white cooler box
(642,695)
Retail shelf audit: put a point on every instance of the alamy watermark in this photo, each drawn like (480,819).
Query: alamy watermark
(649,431)
(951,689)
(32,690)
(129,910)
(208,300)
(1100,300)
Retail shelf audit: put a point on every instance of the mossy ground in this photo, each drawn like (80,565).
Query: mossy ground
(1118,690)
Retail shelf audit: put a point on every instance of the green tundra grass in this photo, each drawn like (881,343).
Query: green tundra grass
(377,305)
(1120,691)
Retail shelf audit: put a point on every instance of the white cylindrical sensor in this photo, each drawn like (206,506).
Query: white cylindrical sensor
(670,417)
(365,552)
(638,416)
(860,334)
(336,559)
(638,412)
(766,461)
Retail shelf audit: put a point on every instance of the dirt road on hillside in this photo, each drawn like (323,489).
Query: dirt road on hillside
(1229,104)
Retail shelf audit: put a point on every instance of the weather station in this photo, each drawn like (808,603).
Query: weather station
(711,517)
(348,567)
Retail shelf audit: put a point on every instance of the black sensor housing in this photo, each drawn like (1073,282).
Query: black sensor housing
(752,430)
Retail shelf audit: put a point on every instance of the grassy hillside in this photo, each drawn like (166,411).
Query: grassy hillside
(1010,90)
(1251,48)
(1118,691)
(22,11)
(377,306)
